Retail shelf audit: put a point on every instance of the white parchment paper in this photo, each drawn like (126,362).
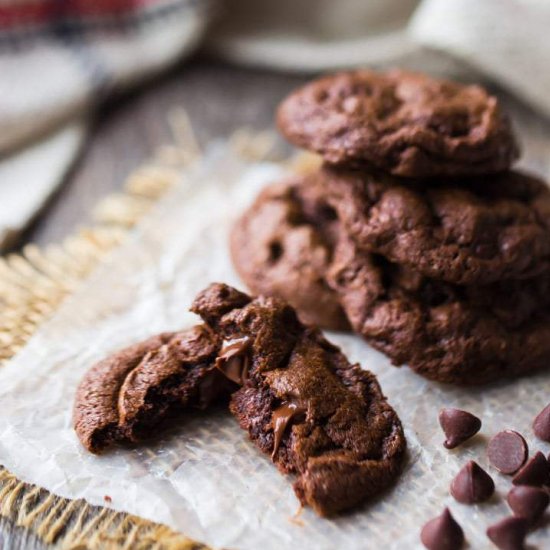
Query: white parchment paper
(205,478)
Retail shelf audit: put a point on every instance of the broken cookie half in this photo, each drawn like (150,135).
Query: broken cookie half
(301,401)
(124,397)
(304,404)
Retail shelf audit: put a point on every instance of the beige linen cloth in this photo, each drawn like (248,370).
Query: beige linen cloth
(46,98)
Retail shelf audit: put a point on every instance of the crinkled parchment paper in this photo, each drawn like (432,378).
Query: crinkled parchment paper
(205,478)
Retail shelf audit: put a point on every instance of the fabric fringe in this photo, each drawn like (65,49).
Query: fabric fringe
(74,524)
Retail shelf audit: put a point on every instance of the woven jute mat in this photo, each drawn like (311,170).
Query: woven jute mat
(32,286)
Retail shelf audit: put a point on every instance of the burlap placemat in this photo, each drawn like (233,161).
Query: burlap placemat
(32,286)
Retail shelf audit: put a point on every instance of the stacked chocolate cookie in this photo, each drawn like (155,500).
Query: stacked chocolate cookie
(414,232)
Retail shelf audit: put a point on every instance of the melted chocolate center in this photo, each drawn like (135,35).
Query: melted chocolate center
(233,360)
(281,418)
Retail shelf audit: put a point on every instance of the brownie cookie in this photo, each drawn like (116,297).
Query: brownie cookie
(479,231)
(281,246)
(124,397)
(403,123)
(445,332)
(303,403)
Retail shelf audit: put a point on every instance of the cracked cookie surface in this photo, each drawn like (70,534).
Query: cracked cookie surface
(403,123)
(445,332)
(461,334)
(303,403)
(281,246)
(478,231)
(124,397)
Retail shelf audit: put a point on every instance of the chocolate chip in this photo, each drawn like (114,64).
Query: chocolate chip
(528,502)
(535,473)
(509,533)
(472,484)
(507,451)
(233,360)
(458,426)
(281,418)
(541,424)
(442,533)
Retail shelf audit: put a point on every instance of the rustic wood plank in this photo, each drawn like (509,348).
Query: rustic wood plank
(217,98)
(17,538)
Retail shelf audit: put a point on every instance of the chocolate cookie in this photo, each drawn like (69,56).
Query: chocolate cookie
(478,231)
(281,246)
(124,397)
(403,123)
(304,404)
(445,332)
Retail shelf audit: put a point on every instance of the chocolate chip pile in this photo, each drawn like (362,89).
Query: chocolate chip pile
(508,453)
(414,232)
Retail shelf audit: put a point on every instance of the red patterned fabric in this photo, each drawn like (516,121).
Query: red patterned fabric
(38,13)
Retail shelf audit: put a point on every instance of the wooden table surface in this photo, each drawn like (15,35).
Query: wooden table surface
(218,99)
